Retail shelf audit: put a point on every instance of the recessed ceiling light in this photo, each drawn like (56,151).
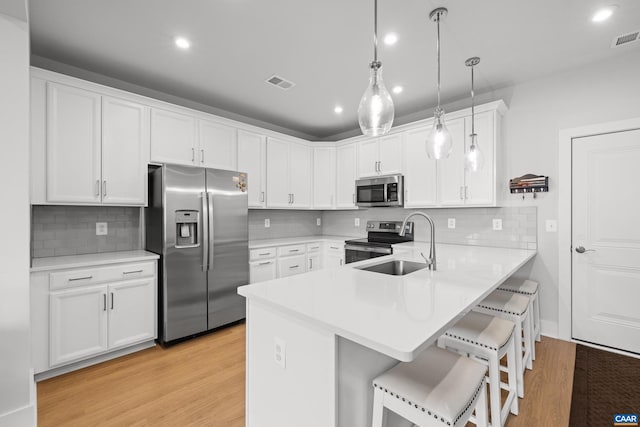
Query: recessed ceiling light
(397,89)
(182,43)
(604,13)
(338,109)
(390,39)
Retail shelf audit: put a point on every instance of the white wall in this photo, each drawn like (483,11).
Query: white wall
(538,110)
(17,405)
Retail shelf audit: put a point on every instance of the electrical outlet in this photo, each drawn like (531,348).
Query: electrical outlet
(551,225)
(280,352)
(101,229)
(318,222)
(497,224)
(357,222)
(267,223)
(451,223)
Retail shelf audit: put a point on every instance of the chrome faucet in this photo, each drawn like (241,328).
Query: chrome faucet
(431,261)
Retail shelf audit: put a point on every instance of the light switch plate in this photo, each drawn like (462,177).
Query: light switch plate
(267,223)
(357,222)
(551,225)
(101,229)
(318,222)
(497,224)
(451,223)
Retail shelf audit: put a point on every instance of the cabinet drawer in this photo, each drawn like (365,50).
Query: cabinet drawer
(291,250)
(335,246)
(89,276)
(314,247)
(262,253)
(292,265)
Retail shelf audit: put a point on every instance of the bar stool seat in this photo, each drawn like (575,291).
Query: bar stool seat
(438,388)
(514,307)
(488,339)
(529,288)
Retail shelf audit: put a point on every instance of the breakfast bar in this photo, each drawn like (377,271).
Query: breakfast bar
(315,341)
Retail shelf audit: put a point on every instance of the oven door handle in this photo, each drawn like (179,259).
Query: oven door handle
(387,251)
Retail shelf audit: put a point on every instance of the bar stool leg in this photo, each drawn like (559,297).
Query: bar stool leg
(517,332)
(529,341)
(494,389)
(378,419)
(481,416)
(512,372)
(536,310)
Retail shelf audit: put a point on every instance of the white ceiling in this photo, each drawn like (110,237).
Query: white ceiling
(324,47)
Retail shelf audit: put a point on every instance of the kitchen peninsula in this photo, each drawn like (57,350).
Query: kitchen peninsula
(315,341)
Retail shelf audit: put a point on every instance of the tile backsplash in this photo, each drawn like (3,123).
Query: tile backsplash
(71,230)
(284,223)
(474,226)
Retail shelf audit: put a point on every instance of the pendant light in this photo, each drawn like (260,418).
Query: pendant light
(375,112)
(439,142)
(473,158)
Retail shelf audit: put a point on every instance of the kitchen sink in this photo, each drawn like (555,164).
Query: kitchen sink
(395,267)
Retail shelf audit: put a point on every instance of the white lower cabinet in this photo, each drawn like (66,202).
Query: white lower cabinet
(260,271)
(291,265)
(81,313)
(334,254)
(314,256)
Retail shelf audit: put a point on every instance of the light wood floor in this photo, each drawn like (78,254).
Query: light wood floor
(201,383)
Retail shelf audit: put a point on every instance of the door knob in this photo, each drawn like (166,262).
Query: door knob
(581,250)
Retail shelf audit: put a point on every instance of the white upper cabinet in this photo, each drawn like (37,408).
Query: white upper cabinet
(419,170)
(288,174)
(125,148)
(72,145)
(173,137)
(458,187)
(96,148)
(380,156)
(346,175)
(217,145)
(252,159)
(324,177)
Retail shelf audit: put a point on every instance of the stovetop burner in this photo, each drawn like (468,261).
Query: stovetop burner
(384,234)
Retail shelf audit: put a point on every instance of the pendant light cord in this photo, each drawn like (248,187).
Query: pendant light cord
(438,49)
(375,30)
(473,119)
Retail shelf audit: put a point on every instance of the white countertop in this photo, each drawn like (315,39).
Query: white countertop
(74,261)
(264,243)
(395,315)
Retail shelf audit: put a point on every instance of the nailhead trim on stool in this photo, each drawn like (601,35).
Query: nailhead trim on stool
(529,288)
(428,390)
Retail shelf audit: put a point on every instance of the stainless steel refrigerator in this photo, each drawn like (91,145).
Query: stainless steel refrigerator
(196,221)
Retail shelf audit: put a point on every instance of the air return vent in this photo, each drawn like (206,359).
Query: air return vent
(280,82)
(631,37)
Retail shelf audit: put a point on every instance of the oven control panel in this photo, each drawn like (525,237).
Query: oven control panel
(388,226)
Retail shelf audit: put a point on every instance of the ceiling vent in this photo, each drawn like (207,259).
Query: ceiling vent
(626,39)
(280,82)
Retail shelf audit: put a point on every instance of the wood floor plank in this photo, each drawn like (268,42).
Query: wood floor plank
(201,382)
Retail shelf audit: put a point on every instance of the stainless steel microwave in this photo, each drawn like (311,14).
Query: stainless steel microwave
(380,191)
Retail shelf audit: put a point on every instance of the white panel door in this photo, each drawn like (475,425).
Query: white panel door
(419,170)
(481,185)
(218,146)
(78,322)
(131,308)
(173,138)
(73,145)
(125,145)
(451,169)
(300,175)
(252,159)
(346,175)
(278,194)
(324,177)
(605,206)
(368,157)
(390,152)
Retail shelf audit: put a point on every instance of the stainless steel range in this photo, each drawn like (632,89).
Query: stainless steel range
(380,236)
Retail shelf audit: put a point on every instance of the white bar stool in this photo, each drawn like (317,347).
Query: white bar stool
(437,389)
(514,307)
(488,339)
(529,288)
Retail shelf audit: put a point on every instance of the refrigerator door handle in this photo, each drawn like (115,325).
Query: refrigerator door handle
(203,232)
(211,239)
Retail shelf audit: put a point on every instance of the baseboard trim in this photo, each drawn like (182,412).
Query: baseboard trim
(54,372)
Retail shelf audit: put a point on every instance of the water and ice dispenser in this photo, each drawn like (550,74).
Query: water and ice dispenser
(187,228)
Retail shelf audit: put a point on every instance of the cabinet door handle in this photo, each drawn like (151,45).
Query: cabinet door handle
(334,247)
(265,263)
(294,250)
(465,192)
(111,300)
(264,254)
(202,155)
(310,263)
(353,195)
(294,266)
(293,198)
(104,188)
(104,302)
(97,188)
(132,272)
(193,154)
(262,196)
(81,278)
(340,261)
(461,198)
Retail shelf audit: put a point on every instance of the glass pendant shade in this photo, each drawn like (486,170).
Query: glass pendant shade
(439,142)
(473,158)
(376,111)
